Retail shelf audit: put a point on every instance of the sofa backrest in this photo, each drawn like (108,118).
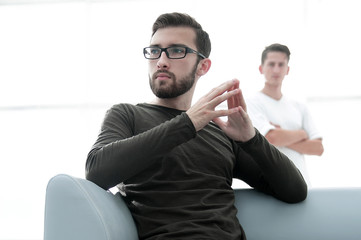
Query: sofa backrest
(77,209)
(326,214)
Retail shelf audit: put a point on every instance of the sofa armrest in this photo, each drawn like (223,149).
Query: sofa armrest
(77,209)
(331,214)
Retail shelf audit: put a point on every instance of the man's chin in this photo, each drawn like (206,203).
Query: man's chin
(161,92)
(164,95)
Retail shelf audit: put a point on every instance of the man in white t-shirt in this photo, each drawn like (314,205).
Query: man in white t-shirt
(285,123)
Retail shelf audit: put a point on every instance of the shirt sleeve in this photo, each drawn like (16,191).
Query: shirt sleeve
(309,125)
(266,169)
(118,154)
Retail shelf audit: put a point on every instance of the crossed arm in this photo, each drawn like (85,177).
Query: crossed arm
(295,139)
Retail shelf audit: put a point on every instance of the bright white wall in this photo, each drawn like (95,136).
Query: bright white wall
(63,64)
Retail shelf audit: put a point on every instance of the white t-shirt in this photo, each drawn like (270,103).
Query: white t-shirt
(288,114)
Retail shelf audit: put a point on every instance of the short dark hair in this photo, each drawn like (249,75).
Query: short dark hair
(203,43)
(276,47)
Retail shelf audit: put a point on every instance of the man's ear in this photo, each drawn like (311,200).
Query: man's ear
(260,69)
(203,66)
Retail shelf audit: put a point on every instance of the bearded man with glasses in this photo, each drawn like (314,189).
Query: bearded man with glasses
(174,162)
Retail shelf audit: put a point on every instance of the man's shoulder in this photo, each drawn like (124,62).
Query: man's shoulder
(254,95)
(123,109)
(256,102)
(139,109)
(128,106)
(257,97)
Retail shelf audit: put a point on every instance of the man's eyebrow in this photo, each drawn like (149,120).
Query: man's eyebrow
(172,45)
(178,45)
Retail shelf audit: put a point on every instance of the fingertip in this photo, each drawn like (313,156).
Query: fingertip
(235,82)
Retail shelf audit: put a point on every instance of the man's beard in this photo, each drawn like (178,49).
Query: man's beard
(175,88)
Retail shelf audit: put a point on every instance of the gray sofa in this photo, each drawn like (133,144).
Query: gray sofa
(77,209)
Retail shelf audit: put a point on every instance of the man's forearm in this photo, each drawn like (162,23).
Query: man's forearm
(309,147)
(112,161)
(284,179)
(284,138)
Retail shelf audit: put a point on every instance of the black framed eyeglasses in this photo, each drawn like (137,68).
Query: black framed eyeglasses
(175,52)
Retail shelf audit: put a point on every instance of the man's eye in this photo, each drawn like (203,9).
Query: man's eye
(177,50)
(154,51)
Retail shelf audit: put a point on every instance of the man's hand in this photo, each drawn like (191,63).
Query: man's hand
(238,126)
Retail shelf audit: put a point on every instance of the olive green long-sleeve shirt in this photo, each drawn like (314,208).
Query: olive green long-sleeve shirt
(176,181)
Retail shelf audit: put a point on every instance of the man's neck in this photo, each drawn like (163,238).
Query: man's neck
(273,92)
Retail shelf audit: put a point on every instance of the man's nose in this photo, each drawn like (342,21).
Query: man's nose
(276,69)
(163,61)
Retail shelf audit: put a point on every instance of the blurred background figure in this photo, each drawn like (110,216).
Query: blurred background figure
(285,123)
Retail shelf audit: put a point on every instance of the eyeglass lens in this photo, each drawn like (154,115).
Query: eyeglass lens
(172,52)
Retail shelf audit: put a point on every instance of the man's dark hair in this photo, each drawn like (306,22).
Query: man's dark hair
(276,47)
(203,43)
